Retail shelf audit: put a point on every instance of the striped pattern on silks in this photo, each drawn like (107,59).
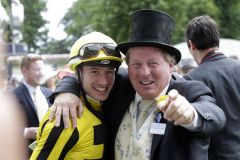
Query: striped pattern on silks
(87,141)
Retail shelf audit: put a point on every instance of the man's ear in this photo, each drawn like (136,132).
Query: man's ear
(191,45)
(24,70)
(171,68)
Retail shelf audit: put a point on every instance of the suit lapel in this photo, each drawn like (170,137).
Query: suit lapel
(28,98)
(158,138)
(46,94)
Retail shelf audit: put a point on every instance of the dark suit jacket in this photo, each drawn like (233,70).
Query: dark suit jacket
(222,74)
(177,143)
(27,105)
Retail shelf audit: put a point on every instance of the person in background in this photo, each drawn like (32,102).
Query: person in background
(51,83)
(155,112)
(94,60)
(221,74)
(13,82)
(31,96)
(50,78)
(186,65)
(234,57)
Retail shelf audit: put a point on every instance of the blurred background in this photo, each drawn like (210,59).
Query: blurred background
(49,27)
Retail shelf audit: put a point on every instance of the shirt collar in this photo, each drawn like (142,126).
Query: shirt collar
(95,104)
(209,55)
(31,89)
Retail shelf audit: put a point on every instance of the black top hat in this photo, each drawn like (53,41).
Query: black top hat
(151,28)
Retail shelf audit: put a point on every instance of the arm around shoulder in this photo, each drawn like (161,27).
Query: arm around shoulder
(66,101)
(68,84)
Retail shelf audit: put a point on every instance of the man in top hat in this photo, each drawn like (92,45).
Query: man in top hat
(152,114)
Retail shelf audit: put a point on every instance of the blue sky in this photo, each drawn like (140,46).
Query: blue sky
(56,11)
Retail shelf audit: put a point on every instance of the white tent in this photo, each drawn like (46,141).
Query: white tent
(228,46)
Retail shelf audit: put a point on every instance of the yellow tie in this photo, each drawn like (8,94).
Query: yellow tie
(142,114)
(41,104)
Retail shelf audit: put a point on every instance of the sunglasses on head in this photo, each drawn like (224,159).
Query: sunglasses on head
(92,50)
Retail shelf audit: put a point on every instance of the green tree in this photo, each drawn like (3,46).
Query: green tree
(229,18)
(80,18)
(7,34)
(199,8)
(56,47)
(109,16)
(112,16)
(115,19)
(33,29)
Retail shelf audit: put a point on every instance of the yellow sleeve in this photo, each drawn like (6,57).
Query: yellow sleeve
(48,138)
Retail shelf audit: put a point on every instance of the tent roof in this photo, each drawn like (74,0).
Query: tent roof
(228,46)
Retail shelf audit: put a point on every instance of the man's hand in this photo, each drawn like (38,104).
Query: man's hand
(177,109)
(30,133)
(64,104)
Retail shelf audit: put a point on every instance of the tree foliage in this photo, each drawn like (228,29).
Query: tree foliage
(56,47)
(80,19)
(229,18)
(7,34)
(112,16)
(33,30)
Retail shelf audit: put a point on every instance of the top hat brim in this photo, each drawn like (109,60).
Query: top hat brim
(123,47)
